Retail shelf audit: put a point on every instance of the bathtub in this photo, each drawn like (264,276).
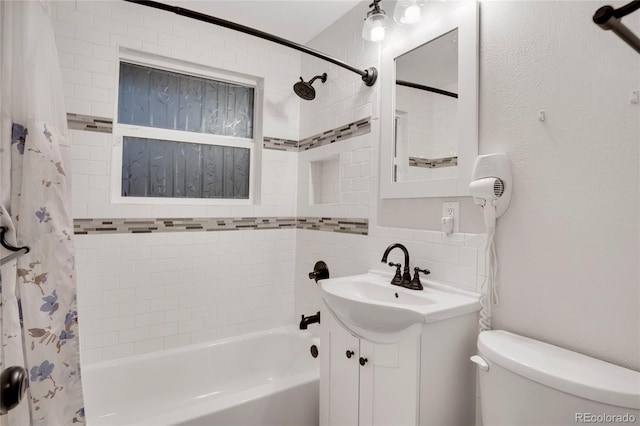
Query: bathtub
(263,378)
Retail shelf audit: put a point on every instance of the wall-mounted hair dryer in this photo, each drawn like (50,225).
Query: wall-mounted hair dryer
(491,186)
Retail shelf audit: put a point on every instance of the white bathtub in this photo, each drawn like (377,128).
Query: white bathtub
(264,378)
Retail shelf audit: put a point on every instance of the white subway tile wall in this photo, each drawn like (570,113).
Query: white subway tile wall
(88,34)
(456,260)
(145,292)
(140,293)
(324,181)
(343,98)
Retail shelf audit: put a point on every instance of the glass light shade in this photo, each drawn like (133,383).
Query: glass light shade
(407,12)
(375,27)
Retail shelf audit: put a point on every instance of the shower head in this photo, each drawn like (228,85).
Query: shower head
(305,89)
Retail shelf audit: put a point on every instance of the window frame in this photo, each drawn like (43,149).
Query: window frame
(121,130)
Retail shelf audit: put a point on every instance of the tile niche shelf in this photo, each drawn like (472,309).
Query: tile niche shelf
(324,181)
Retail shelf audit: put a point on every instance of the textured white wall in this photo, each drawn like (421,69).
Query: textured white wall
(569,244)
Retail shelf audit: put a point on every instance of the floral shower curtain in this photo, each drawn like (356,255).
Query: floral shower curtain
(38,315)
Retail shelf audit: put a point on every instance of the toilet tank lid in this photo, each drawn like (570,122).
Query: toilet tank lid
(562,369)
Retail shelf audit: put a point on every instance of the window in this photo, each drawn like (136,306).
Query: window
(158,168)
(184,133)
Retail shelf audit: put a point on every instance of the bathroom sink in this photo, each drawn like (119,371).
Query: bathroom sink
(371,308)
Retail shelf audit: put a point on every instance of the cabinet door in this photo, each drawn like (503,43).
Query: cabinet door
(339,375)
(389,383)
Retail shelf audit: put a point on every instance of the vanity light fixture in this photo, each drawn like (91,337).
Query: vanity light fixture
(408,12)
(376,23)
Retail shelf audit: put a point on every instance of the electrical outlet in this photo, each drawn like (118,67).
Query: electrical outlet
(452,210)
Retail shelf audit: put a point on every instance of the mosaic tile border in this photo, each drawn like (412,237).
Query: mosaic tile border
(357,128)
(344,225)
(145,226)
(279,144)
(89,123)
(433,163)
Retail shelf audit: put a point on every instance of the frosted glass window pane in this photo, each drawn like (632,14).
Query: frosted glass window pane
(160,174)
(190,111)
(170,100)
(163,100)
(213,165)
(134,95)
(135,168)
(159,168)
(240,173)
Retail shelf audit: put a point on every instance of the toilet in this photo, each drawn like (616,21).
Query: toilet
(527,382)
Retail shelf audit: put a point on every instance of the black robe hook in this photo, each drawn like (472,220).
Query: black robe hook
(17,250)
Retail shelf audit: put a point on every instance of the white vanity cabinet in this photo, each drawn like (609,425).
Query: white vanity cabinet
(364,383)
(425,379)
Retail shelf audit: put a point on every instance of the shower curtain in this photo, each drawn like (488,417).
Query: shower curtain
(38,315)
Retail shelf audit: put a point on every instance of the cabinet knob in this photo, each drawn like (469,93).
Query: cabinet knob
(363,361)
(350,354)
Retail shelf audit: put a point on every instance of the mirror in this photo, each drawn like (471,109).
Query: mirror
(426,111)
(429,104)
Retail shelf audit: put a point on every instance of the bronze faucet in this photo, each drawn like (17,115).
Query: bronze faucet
(406,276)
(404,279)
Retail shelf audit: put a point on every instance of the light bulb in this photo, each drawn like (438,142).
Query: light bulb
(377,34)
(407,12)
(374,28)
(412,14)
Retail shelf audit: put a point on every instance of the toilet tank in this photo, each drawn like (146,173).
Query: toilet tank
(528,382)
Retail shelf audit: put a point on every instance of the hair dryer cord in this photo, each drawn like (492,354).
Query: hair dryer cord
(489,296)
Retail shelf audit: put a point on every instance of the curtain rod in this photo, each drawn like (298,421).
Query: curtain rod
(608,18)
(427,88)
(369,75)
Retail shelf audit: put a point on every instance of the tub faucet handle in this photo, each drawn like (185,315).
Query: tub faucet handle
(320,271)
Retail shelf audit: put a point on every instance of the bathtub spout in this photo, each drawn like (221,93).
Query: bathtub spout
(311,319)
